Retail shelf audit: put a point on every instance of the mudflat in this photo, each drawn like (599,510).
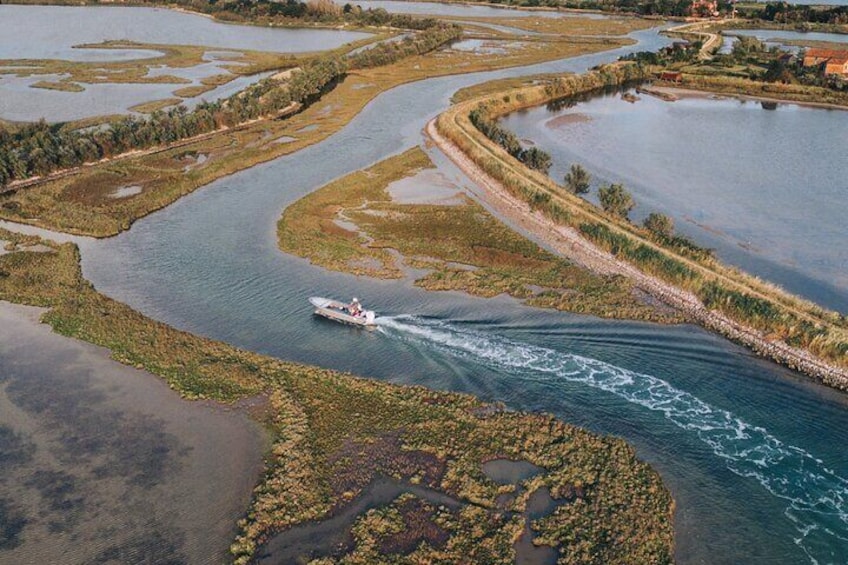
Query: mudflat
(101,462)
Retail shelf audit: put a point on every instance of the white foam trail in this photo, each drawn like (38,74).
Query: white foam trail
(817,497)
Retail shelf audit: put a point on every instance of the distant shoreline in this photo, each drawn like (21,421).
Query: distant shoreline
(692,91)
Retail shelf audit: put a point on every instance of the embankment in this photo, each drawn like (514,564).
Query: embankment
(751,312)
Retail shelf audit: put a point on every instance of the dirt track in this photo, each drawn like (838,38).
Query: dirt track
(567,242)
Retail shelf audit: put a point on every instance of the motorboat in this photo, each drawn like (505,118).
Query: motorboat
(343,312)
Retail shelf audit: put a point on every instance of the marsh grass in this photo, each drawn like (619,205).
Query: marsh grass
(461,245)
(333,434)
(62,86)
(155,105)
(573,26)
(192,91)
(137,71)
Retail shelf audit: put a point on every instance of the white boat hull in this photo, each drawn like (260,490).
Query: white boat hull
(338,312)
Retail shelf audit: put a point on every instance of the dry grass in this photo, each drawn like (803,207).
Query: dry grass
(63,86)
(573,26)
(155,105)
(137,71)
(192,91)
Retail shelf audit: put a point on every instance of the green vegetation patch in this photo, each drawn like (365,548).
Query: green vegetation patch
(335,434)
(351,224)
(63,86)
(155,105)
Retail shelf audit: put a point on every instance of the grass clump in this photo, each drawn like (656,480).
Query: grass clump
(62,86)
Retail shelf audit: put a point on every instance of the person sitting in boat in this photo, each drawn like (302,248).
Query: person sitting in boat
(355,308)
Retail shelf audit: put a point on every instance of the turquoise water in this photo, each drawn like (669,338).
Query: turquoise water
(753,453)
(763,187)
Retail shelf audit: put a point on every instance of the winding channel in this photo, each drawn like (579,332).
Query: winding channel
(753,453)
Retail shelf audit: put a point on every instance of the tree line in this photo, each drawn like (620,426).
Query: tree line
(533,157)
(40,148)
(614,199)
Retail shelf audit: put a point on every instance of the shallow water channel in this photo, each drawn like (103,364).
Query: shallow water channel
(752,453)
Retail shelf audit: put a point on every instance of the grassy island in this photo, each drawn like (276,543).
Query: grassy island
(335,436)
(353,225)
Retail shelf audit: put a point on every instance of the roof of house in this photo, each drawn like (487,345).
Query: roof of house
(837,56)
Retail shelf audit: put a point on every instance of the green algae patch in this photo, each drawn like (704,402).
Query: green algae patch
(334,435)
(354,225)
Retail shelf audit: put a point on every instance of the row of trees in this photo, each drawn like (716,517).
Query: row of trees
(617,201)
(614,198)
(40,148)
(284,11)
(533,157)
(389,52)
(800,14)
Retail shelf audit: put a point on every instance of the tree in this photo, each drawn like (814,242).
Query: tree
(577,180)
(616,200)
(536,159)
(659,224)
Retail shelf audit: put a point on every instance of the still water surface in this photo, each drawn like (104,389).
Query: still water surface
(753,453)
(765,188)
(30,32)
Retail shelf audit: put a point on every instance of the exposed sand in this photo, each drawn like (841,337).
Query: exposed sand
(570,244)
(126,191)
(104,463)
(567,119)
(426,187)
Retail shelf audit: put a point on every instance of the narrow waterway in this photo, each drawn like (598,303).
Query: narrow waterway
(752,453)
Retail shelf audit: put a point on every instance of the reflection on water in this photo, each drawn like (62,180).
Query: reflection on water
(762,188)
(100,463)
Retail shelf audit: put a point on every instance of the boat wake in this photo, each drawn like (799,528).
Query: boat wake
(817,497)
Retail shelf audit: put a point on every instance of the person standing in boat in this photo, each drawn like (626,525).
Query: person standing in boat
(355,308)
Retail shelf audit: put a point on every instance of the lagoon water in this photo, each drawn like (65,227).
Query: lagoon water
(765,188)
(103,463)
(94,24)
(753,453)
